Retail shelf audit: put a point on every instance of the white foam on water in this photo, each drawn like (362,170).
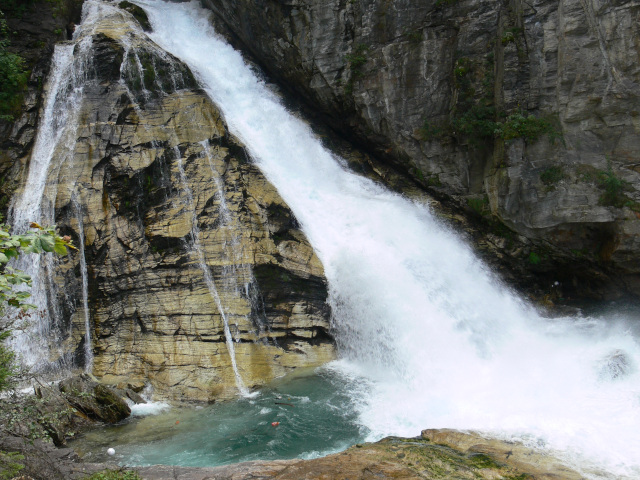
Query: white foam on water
(149,408)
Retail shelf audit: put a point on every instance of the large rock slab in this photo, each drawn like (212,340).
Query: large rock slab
(199,280)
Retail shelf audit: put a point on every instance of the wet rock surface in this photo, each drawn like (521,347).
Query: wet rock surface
(194,261)
(33,29)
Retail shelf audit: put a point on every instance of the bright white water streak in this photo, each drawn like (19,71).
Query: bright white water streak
(442,344)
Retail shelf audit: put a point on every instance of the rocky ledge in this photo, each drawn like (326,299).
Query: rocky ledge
(436,454)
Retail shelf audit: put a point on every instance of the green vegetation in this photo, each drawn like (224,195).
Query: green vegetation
(529,127)
(477,123)
(414,36)
(613,188)
(481,122)
(9,465)
(115,475)
(534,258)
(38,240)
(479,205)
(551,176)
(434,130)
(13,76)
(461,67)
(18,8)
(510,35)
(356,61)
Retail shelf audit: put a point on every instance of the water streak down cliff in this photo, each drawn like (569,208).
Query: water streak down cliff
(165,203)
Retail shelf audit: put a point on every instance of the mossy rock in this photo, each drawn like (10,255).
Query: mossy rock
(138,13)
(94,400)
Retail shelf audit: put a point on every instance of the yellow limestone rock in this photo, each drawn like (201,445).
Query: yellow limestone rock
(194,261)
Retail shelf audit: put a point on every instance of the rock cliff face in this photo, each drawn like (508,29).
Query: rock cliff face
(199,279)
(32,30)
(524,113)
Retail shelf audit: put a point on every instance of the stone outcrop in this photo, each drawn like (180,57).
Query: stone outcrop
(194,261)
(524,113)
(437,454)
(33,29)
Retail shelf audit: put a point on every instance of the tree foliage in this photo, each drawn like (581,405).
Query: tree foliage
(37,240)
(13,76)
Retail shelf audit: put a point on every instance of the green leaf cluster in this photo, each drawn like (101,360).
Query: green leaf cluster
(38,240)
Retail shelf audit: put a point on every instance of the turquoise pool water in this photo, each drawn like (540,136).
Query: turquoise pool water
(315,416)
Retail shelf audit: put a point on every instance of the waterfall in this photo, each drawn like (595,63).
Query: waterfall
(439,341)
(39,345)
(196,249)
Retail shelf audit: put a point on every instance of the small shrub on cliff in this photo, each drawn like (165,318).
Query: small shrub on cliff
(614,187)
(356,61)
(551,176)
(529,127)
(478,122)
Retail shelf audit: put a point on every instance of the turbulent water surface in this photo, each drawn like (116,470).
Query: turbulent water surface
(433,338)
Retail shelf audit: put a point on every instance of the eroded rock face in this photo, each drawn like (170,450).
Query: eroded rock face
(423,83)
(194,261)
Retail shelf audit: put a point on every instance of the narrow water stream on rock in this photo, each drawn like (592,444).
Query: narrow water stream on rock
(196,250)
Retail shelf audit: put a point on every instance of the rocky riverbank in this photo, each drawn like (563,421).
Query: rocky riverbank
(436,454)
(35,446)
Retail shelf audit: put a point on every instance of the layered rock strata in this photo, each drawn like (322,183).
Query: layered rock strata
(523,113)
(199,279)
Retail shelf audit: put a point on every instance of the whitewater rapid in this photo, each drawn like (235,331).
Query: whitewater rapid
(439,341)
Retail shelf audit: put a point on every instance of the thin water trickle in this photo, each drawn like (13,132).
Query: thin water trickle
(84,274)
(443,343)
(196,249)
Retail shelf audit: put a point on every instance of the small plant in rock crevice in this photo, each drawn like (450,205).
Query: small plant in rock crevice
(551,176)
(356,61)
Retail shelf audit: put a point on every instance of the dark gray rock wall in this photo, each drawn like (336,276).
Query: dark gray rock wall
(413,80)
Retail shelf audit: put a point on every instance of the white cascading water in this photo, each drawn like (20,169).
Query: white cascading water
(441,343)
(39,345)
(36,202)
